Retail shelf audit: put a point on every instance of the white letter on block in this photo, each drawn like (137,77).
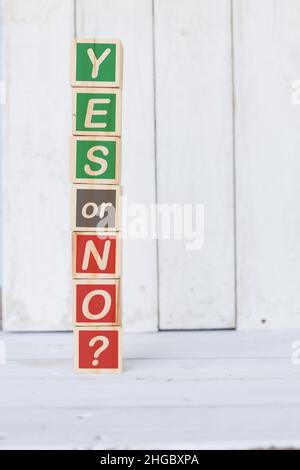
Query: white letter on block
(91,249)
(93,158)
(84,210)
(95,112)
(88,298)
(97,62)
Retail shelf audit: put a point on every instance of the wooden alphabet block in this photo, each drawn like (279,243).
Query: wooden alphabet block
(96,255)
(96,302)
(98,349)
(96,63)
(96,75)
(95,160)
(95,208)
(96,111)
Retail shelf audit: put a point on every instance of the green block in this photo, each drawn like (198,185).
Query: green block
(90,158)
(97,63)
(97,112)
(84,65)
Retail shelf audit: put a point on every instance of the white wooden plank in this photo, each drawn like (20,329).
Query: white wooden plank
(108,392)
(165,345)
(266,43)
(194,158)
(174,369)
(226,404)
(215,356)
(131,21)
(148,428)
(36,290)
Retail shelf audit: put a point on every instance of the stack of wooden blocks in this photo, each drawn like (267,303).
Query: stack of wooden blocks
(96,78)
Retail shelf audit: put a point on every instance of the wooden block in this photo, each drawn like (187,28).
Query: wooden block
(96,302)
(95,208)
(96,111)
(96,63)
(96,255)
(95,160)
(98,349)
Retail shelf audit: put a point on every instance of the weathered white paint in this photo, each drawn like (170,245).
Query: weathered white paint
(37,117)
(226,389)
(193,84)
(131,21)
(267,58)
(194,158)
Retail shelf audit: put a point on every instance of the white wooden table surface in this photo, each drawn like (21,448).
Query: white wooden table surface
(222,389)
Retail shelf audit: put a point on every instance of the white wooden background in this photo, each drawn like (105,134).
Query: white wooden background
(207,119)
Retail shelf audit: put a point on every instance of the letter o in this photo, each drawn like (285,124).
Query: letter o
(85,304)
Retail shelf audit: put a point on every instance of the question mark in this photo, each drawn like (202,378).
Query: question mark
(105,343)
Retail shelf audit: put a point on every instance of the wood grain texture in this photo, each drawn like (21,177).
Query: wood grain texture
(131,21)
(110,428)
(266,43)
(37,118)
(226,389)
(195,158)
(193,88)
(241,345)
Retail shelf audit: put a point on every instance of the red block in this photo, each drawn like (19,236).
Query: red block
(96,302)
(96,255)
(98,349)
